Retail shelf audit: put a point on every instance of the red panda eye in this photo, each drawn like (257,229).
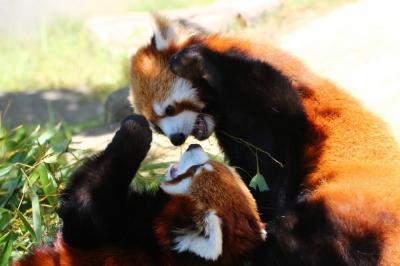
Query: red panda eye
(170,110)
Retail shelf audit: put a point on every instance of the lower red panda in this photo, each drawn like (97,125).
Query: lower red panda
(334,179)
(203,214)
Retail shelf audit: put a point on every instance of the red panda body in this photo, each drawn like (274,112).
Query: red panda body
(336,200)
(191,220)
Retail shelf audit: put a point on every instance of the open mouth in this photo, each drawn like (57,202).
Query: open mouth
(175,178)
(200,129)
(193,158)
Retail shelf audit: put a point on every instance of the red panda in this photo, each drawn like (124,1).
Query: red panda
(203,215)
(333,197)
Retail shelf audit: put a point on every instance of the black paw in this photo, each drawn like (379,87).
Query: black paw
(134,134)
(136,126)
(189,62)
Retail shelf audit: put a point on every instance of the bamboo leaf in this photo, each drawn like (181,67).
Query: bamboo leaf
(258,181)
(46,136)
(6,254)
(27,225)
(37,219)
(51,159)
(5,169)
(47,184)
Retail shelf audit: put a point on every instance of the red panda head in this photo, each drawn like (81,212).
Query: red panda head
(169,102)
(228,226)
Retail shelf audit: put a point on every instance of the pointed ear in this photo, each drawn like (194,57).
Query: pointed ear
(165,33)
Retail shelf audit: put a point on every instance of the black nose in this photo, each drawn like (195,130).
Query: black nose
(177,139)
(193,146)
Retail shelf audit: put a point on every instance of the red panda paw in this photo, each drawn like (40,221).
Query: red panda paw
(189,62)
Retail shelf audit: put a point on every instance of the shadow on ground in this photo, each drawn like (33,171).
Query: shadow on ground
(38,107)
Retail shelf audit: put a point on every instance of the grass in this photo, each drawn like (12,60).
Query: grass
(63,56)
(35,164)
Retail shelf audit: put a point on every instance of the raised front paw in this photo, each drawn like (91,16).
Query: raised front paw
(136,126)
(133,137)
(189,62)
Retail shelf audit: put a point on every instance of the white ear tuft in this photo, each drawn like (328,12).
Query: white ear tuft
(164,33)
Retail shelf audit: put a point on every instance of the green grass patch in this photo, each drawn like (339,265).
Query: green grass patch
(34,164)
(61,55)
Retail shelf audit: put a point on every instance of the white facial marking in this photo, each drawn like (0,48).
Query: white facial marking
(158,109)
(209,246)
(208,167)
(210,124)
(180,123)
(180,188)
(181,90)
(188,159)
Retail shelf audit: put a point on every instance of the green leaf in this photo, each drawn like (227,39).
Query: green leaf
(6,254)
(46,136)
(61,146)
(51,159)
(5,219)
(37,219)
(18,157)
(258,181)
(5,169)
(47,184)
(4,237)
(27,225)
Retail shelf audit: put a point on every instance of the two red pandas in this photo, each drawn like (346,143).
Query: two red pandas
(202,215)
(334,196)
(334,178)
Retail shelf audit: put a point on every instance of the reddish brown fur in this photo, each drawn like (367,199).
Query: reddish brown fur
(224,191)
(220,190)
(358,178)
(149,73)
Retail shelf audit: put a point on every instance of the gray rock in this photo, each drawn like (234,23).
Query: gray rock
(39,107)
(117,106)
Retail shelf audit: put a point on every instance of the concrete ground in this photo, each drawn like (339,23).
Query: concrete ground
(358,47)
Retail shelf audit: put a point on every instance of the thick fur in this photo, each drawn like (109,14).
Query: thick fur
(336,199)
(107,223)
(339,197)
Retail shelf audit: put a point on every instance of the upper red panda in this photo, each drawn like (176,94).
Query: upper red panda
(203,214)
(334,195)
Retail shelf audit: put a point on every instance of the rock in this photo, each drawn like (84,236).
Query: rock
(117,106)
(58,105)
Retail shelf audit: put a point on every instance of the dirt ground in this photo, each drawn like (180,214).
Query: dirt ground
(358,47)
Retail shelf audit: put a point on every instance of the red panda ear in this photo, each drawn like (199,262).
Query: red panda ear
(165,32)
